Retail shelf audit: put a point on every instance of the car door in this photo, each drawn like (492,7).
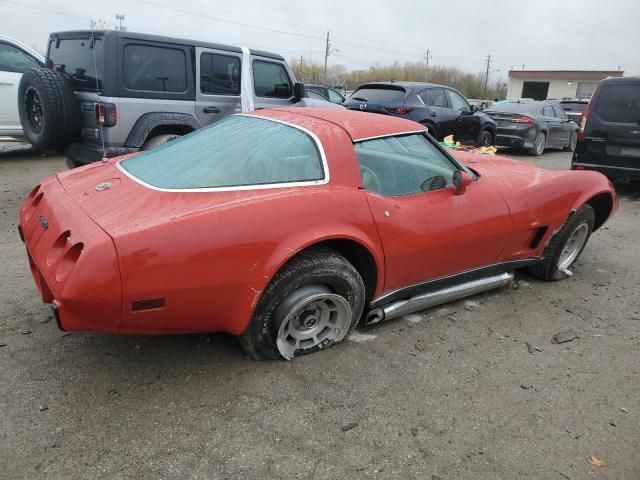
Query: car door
(428,228)
(218,86)
(554,137)
(466,126)
(272,84)
(437,112)
(13,62)
(566,126)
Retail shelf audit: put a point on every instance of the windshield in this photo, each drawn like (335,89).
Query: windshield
(239,151)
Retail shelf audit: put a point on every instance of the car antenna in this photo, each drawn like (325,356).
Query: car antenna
(95,71)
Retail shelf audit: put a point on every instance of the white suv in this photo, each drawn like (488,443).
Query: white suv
(15,58)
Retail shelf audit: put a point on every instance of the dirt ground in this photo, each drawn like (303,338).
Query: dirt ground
(450,393)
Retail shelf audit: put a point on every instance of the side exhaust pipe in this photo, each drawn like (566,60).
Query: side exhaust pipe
(444,295)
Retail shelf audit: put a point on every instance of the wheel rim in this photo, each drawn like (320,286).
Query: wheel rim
(34,110)
(540,144)
(574,141)
(314,321)
(486,139)
(573,246)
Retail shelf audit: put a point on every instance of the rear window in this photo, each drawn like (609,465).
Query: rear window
(81,58)
(573,106)
(513,107)
(157,69)
(239,151)
(379,95)
(619,103)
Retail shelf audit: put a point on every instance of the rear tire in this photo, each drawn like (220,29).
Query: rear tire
(565,247)
(319,275)
(153,142)
(538,145)
(49,109)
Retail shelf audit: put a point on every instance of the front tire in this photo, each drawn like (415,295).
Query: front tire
(485,139)
(538,145)
(311,304)
(565,247)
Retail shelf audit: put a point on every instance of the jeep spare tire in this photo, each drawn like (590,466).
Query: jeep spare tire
(49,110)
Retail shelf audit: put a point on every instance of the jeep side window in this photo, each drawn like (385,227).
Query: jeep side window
(219,74)
(271,80)
(156,69)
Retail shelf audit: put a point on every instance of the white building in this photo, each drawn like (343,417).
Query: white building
(557,84)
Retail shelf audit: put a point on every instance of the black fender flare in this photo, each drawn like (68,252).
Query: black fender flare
(147,122)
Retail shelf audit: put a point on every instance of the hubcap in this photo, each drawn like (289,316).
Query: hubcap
(540,144)
(573,246)
(314,321)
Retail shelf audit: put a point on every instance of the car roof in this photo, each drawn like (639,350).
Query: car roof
(163,39)
(358,125)
(404,84)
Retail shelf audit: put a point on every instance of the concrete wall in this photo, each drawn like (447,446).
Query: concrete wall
(557,88)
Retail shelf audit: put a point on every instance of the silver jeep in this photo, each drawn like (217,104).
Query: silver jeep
(107,93)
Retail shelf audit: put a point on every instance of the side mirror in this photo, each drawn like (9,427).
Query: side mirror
(474,108)
(299,92)
(461,180)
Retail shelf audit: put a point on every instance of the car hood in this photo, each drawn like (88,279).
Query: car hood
(120,205)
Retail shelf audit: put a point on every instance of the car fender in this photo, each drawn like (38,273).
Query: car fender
(147,122)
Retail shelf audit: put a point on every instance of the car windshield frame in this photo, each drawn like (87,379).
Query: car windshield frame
(259,186)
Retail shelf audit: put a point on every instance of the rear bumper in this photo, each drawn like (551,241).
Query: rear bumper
(608,170)
(72,260)
(514,141)
(79,154)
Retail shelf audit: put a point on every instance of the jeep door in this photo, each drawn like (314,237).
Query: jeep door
(218,91)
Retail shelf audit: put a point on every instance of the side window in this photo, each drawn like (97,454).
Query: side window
(158,69)
(219,74)
(457,102)
(559,113)
(403,165)
(15,60)
(271,80)
(434,97)
(547,111)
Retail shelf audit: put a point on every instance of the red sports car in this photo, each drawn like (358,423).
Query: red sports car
(289,227)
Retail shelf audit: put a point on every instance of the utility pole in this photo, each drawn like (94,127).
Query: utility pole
(120,18)
(426,57)
(328,51)
(486,77)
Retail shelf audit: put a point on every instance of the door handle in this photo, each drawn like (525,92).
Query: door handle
(5,84)
(211,110)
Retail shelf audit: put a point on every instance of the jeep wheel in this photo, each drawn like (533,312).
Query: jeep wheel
(153,142)
(49,110)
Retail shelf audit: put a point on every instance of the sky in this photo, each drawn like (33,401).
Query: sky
(542,35)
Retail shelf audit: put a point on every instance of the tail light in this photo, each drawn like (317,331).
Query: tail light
(400,110)
(585,115)
(522,119)
(106,114)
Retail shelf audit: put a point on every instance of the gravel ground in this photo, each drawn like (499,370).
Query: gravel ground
(473,390)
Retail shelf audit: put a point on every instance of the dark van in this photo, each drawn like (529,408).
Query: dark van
(609,134)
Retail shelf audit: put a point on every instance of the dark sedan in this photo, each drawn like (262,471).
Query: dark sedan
(326,93)
(443,110)
(534,126)
(574,108)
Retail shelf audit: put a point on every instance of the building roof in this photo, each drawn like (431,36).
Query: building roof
(564,74)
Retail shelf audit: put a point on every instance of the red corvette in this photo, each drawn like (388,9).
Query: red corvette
(289,227)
